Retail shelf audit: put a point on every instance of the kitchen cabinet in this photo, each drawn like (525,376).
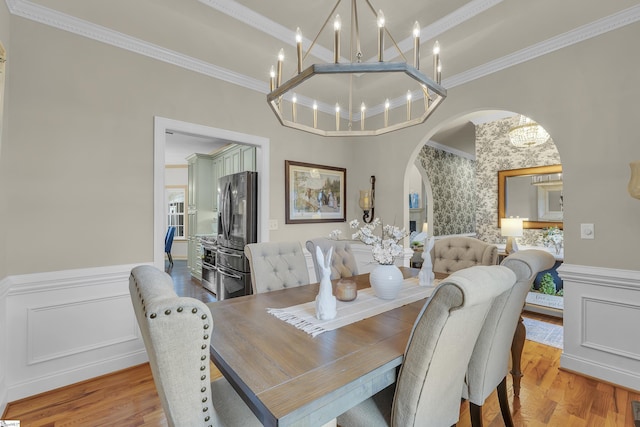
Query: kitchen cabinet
(204,170)
(201,210)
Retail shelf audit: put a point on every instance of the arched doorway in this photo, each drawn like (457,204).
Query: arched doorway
(464,181)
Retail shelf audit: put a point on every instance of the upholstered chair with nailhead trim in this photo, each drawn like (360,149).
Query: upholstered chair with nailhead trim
(276,265)
(177,333)
(457,252)
(343,262)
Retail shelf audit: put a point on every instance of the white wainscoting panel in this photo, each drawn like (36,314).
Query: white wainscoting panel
(78,329)
(601,318)
(68,326)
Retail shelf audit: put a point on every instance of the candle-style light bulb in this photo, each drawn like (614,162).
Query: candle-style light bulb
(337,116)
(272,79)
(387,104)
(436,59)
(380,35)
(363,109)
(439,72)
(294,108)
(416,45)
(279,70)
(408,105)
(337,24)
(299,48)
(315,114)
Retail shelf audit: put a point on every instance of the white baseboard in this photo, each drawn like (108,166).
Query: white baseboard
(609,373)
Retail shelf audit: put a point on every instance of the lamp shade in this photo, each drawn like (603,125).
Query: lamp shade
(425,227)
(511,227)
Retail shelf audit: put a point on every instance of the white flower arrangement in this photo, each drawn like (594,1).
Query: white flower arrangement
(554,237)
(385,247)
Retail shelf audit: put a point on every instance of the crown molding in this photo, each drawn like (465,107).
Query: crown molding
(450,150)
(577,35)
(53,18)
(59,20)
(261,23)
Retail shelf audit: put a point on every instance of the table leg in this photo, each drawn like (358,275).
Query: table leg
(516,355)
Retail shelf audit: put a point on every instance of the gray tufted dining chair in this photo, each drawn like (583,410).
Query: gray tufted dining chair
(437,354)
(276,265)
(177,332)
(489,362)
(457,252)
(343,262)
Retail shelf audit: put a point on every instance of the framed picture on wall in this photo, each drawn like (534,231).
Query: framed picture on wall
(314,193)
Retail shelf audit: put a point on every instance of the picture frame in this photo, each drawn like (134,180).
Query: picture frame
(314,193)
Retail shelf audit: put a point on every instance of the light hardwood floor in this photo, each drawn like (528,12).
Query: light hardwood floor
(549,396)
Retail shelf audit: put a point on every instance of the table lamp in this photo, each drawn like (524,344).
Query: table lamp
(511,228)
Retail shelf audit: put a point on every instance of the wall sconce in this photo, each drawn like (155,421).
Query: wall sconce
(634,181)
(511,228)
(367,201)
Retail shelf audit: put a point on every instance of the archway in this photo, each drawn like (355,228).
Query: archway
(472,208)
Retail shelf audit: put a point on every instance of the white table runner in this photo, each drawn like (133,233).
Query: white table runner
(303,316)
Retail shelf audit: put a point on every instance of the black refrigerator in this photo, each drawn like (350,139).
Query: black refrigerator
(237,226)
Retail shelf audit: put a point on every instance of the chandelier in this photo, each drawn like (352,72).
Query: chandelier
(355,97)
(527,133)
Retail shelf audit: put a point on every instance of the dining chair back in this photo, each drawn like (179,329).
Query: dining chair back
(168,243)
(343,262)
(489,362)
(177,333)
(437,354)
(457,252)
(276,265)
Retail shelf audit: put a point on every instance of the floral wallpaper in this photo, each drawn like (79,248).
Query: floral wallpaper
(465,192)
(494,152)
(453,184)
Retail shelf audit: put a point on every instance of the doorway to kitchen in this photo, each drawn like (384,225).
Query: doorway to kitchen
(161,126)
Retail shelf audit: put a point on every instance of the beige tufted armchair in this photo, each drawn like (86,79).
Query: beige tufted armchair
(455,253)
(276,265)
(177,334)
(343,262)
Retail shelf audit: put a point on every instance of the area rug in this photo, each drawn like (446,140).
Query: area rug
(543,332)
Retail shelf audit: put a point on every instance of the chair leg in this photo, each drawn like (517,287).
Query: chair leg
(476,414)
(516,355)
(170,259)
(504,403)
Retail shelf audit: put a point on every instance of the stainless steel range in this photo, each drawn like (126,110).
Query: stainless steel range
(209,252)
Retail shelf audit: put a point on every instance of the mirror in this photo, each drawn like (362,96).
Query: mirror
(534,193)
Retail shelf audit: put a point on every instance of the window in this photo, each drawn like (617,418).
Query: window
(176,210)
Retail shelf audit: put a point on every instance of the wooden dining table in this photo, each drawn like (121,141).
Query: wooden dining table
(290,378)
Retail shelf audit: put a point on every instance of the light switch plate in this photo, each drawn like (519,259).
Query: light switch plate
(587,231)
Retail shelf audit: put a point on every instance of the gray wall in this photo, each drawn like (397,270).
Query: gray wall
(78,152)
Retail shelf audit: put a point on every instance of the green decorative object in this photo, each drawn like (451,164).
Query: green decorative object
(547,285)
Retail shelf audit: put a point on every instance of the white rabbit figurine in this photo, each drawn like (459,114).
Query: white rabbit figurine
(426,276)
(325,301)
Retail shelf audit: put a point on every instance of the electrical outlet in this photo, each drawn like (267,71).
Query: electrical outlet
(273,224)
(587,231)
